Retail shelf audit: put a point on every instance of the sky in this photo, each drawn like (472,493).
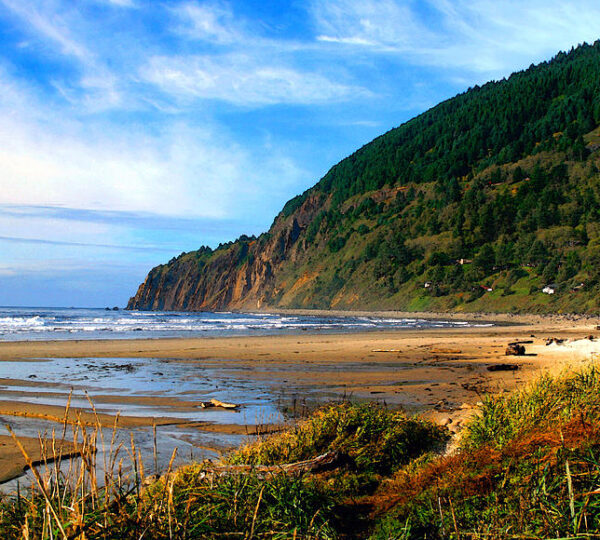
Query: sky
(133,130)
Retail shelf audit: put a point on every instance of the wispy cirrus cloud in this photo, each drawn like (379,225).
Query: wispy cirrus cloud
(212,22)
(57,30)
(44,241)
(54,29)
(239,79)
(176,167)
(475,35)
(240,65)
(121,3)
(179,171)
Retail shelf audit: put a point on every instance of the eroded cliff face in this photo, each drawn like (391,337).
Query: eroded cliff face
(239,276)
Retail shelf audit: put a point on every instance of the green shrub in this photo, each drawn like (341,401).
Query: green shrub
(377,439)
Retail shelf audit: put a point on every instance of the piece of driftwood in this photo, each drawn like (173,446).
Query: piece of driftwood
(503,367)
(217,403)
(325,462)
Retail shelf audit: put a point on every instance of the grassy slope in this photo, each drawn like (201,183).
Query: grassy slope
(359,287)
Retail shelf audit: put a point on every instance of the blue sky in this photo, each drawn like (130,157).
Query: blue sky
(133,130)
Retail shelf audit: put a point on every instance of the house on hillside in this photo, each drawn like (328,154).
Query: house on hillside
(486,288)
(550,289)
(464,261)
(428,285)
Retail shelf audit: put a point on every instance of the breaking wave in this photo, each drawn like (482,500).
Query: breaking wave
(43,323)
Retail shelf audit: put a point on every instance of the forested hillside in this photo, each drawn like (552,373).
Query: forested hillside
(477,204)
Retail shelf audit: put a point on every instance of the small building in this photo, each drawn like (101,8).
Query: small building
(464,261)
(486,288)
(578,287)
(549,289)
(428,285)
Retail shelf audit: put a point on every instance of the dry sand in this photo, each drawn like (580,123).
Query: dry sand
(440,372)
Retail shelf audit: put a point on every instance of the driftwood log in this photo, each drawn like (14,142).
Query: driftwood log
(325,462)
(217,403)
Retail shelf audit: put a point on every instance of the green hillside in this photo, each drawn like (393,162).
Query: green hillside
(503,179)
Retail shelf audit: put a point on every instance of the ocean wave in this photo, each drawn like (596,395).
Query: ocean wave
(27,322)
(91,323)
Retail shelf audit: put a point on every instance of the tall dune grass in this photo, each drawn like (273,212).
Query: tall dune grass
(528,468)
(546,402)
(203,500)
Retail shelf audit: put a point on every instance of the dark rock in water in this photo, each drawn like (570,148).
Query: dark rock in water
(514,349)
(503,367)
(115,308)
(128,368)
(106,309)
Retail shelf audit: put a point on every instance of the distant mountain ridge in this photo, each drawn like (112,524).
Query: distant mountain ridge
(476,204)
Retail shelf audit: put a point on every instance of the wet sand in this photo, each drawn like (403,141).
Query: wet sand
(12,461)
(441,373)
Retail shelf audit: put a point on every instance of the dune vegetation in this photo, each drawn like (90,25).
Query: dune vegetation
(527,466)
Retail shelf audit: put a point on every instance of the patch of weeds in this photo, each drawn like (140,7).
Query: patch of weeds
(376,439)
(547,401)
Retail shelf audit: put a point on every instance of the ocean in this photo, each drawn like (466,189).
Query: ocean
(35,324)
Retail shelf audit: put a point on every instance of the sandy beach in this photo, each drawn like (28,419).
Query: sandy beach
(441,373)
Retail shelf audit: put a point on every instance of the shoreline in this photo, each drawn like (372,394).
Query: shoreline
(479,316)
(192,347)
(439,373)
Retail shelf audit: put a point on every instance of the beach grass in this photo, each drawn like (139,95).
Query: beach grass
(375,439)
(544,404)
(238,498)
(528,467)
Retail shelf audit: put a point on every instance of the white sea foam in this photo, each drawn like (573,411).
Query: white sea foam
(30,323)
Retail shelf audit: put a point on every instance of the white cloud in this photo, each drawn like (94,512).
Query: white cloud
(475,35)
(375,23)
(97,88)
(121,3)
(208,22)
(239,65)
(180,170)
(54,28)
(243,80)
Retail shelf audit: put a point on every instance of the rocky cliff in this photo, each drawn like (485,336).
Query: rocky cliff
(239,275)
